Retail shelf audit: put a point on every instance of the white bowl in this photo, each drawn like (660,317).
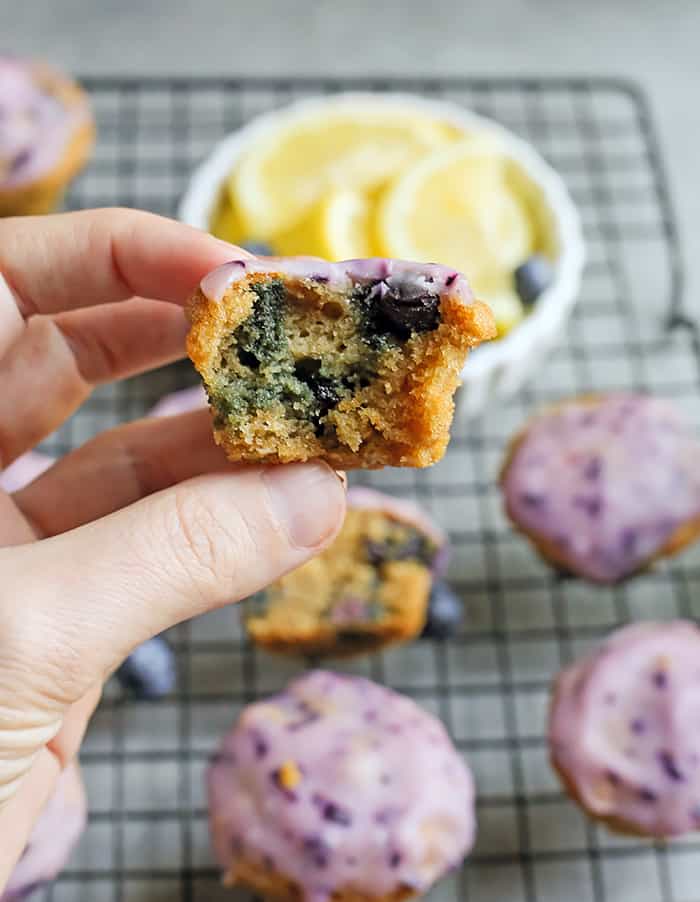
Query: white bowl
(497,369)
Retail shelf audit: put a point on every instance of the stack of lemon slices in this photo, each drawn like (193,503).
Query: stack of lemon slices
(360,181)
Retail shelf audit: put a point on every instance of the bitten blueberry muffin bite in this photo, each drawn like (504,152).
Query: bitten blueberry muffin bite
(369,589)
(355,363)
(603,486)
(46,135)
(53,838)
(337,787)
(624,729)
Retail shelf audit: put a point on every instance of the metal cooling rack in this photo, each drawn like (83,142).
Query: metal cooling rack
(144,762)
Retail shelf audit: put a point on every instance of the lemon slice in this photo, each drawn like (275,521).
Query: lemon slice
(457,207)
(289,168)
(336,228)
(225,224)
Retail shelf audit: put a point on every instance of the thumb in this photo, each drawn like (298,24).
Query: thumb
(93,594)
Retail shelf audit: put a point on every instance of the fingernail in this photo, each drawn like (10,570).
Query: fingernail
(307,499)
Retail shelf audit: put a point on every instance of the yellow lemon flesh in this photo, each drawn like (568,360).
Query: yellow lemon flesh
(288,170)
(336,228)
(459,207)
(225,224)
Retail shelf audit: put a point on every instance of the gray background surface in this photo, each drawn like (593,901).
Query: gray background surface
(653,42)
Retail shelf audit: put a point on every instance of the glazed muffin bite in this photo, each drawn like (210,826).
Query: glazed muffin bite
(355,363)
(624,731)
(46,135)
(338,788)
(369,589)
(604,486)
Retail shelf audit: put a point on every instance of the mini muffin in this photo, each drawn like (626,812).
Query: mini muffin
(46,135)
(624,729)
(355,363)
(339,788)
(603,486)
(368,590)
(53,839)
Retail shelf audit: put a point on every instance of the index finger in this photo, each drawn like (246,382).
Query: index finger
(72,260)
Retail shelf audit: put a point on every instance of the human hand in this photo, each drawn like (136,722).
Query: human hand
(145,525)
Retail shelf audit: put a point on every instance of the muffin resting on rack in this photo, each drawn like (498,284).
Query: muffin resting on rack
(603,486)
(337,788)
(368,590)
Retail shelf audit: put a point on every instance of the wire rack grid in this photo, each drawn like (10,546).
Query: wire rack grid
(144,762)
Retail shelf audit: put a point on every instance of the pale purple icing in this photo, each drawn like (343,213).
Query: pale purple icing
(607,481)
(343,276)
(406,512)
(53,838)
(35,126)
(382,799)
(23,470)
(625,728)
(180,402)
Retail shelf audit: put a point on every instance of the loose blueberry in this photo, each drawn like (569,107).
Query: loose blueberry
(445,610)
(258,248)
(532,278)
(149,671)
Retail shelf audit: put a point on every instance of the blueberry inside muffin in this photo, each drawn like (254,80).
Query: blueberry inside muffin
(355,363)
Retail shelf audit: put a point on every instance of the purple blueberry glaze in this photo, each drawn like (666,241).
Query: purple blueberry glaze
(409,280)
(36,124)
(614,478)
(349,827)
(634,762)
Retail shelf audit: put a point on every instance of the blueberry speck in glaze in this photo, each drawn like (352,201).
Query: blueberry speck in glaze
(660,679)
(149,671)
(334,813)
(532,278)
(647,795)
(450,279)
(628,540)
(258,248)
(669,766)
(532,499)
(316,851)
(637,726)
(260,744)
(592,505)
(308,716)
(395,859)
(445,610)
(20,160)
(593,469)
